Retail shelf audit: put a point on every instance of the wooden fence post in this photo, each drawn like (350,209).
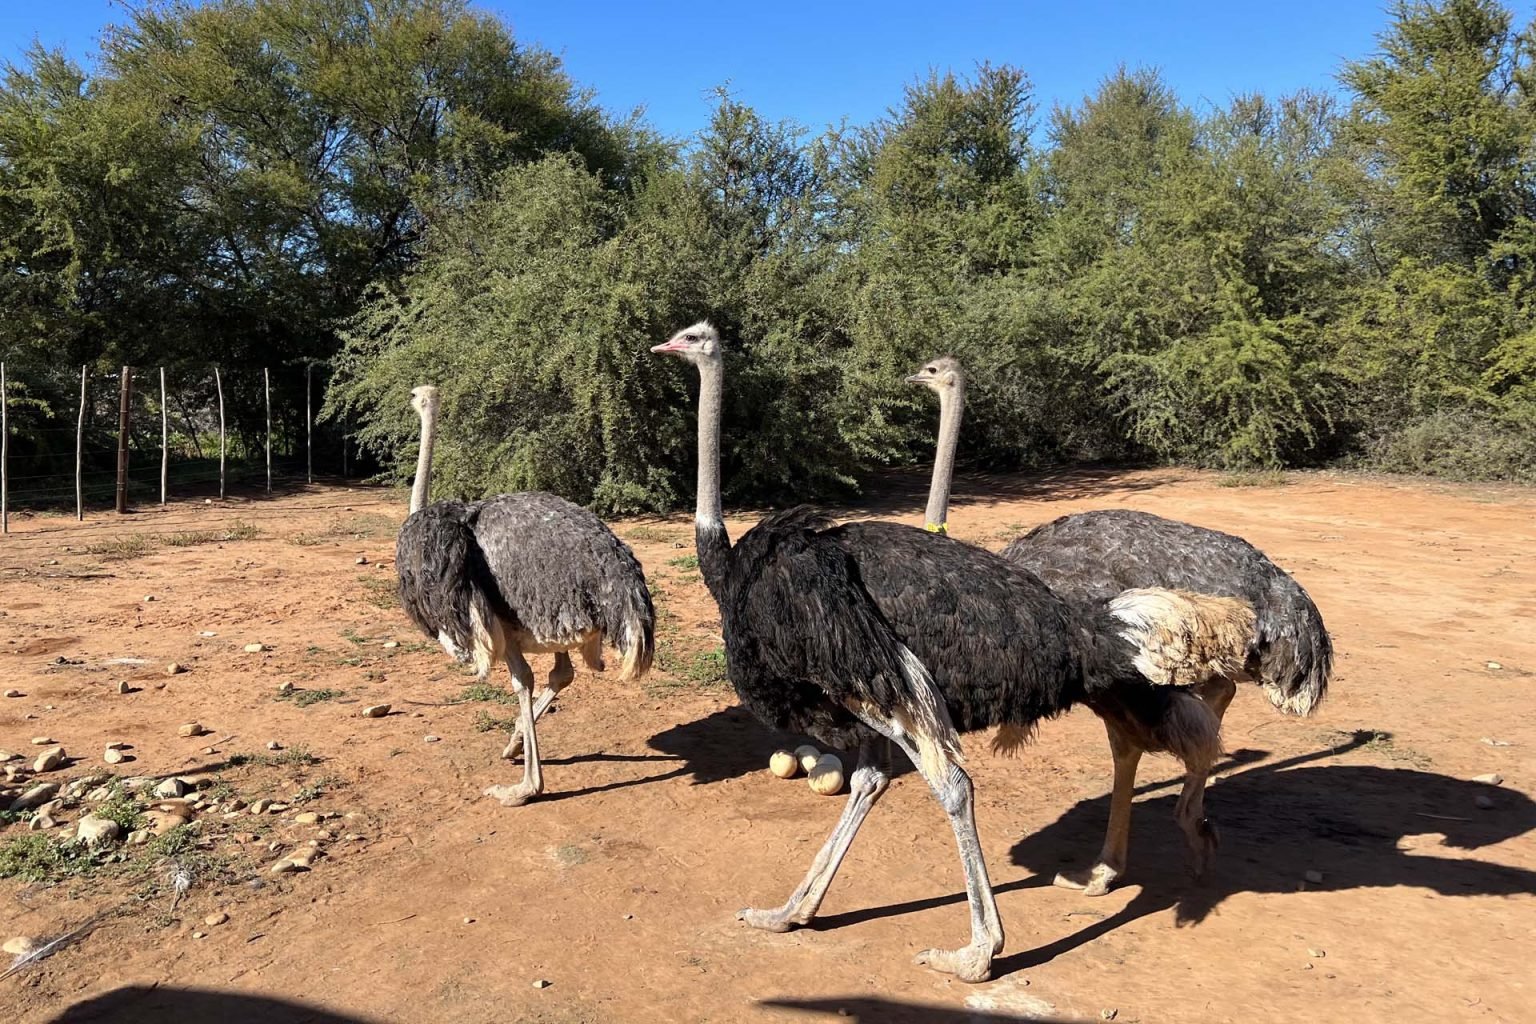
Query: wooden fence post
(80,452)
(218,382)
(266,386)
(124,392)
(309,427)
(165,439)
(5,454)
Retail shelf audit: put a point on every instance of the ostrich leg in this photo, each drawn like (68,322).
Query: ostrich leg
(533,777)
(868,783)
(1096,881)
(559,678)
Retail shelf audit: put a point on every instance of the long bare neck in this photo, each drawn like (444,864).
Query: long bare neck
(711,540)
(951,409)
(421,487)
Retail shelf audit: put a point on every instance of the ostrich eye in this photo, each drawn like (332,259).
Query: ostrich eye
(691,337)
(931,369)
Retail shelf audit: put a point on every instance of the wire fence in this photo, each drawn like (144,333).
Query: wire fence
(133,437)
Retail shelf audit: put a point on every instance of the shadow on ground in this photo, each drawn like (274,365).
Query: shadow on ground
(157,1005)
(906,492)
(874,1010)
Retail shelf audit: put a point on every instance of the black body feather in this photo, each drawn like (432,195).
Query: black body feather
(1090,557)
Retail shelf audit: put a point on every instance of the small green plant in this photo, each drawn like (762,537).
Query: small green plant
(317,789)
(684,561)
(299,756)
(119,807)
(304,698)
(36,857)
(381,593)
(644,534)
(484,721)
(487,692)
(1253,478)
(707,668)
(121,549)
(220,790)
(239,531)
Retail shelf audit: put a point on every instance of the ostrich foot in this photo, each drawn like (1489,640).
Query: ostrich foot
(971,963)
(1096,881)
(514,748)
(512,796)
(780,919)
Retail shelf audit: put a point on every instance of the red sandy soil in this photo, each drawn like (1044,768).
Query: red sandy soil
(619,886)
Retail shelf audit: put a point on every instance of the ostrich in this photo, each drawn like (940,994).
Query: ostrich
(1091,557)
(866,630)
(519,574)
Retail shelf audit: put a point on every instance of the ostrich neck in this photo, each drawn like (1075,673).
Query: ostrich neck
(951,408)
(710,537)
(421,487)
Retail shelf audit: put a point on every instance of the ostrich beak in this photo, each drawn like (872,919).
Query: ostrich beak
(671,345)
(917,378)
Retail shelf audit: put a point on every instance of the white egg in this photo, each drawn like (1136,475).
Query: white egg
(784,764)
(807,755)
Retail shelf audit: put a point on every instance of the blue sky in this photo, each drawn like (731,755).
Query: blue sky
(818,63)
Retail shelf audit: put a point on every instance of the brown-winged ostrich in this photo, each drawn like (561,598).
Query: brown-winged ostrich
(1090,557)
(519,574)
(866,630)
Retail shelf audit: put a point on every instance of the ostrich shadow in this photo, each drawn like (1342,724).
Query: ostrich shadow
(1279,821)
(878,1010)
(722,745)
(905,493)
(134,1004)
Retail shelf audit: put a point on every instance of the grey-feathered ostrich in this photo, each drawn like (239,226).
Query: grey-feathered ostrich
(1091,557)
(866,630)
(519,574)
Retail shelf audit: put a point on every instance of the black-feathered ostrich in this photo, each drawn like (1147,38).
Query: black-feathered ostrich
(1091,557)
(519,574)
(866,630)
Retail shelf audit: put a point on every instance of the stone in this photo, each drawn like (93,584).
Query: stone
(1491,779)
(40,822)
(362,560)
(123,687)
(1495,743)
(1315,877)
(390,645)
(6,755)
(276,808)
(540,983)
(49,759)
(118,746)
(148,598)
(431,739)
(14,693)
(215,919)
(191,729)
(171,789)
(1495,666)
(42,741)
(94,831)
(50,808)
(286,688)
(162,821)
(255,648)
(112,756)
(260,806)
(139,836)
(199,935)
(20,946)
(35,797)
(1483,801)
(175,668)
(375,711)
(1317,954)
(274,745)
(306,818)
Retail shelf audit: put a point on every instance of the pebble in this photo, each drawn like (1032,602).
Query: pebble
(353,837)
(21,945)
(285,688)
(6,755)
(191,729)
(1495,665)
(175,668)
(162,821)
(139,836)
(112,756)
(93,830)
(40,822)
(1110,1014)
(276,808)
(431,739)
(1495,743)
(171,789)
(49,759)
(50,808)
(255,648)
(469,920)
(375,711)
(390,645)
(1484,802)
(306,818)
(1315,877)
(540,983)
(362,559)
(148,598)
(14,693)
(123,687)
(274,745)
(1491,779)
(1317,954)
(42,741)
(199,935)
(216,919)
(260,806)
(206,633)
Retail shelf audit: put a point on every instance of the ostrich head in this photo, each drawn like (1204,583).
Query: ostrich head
(942,374)
(697,344)
(424,398)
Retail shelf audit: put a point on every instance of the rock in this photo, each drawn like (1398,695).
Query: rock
(306,818)
(112,756)
(353,837)
(390,645)
(14,693)
(285,688)
(1483,801)
(42,741)
(206,633)
(255,648)
(123,687)
(99,794)
(1317,954)
(20,946)
(1495,666)
(6,755)
(35,797)
(139,836)
(540,983)
(175,668)
(260,806)
(191,729)
(274,745)
(148,598)
(1495,743)
(50,808)
(94,831)
(431,739)
(215,919)
(1491,779)
(1110,1014)
(325,835)
(234,804)
(375,711)
(1315,877)
(276,808)
(117,746)
(137,782)
(49,759)
(469,920)
(362,560)
(161,822)
(40,822)
(171,789)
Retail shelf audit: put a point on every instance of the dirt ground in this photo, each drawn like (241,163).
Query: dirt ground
(619,887)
